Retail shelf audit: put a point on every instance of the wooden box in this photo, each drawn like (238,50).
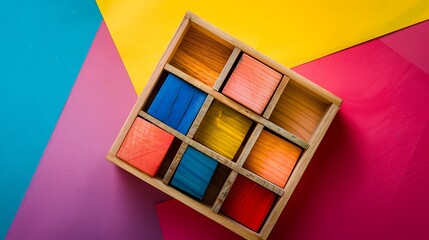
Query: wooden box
(236,130)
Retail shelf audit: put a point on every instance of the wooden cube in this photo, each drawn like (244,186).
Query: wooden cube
(177,103)
(273,158)
(194,173)
(145,146)
(248,203)
(252,83)
(223,130)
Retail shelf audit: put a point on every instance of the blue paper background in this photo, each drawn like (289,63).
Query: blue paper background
(43,45)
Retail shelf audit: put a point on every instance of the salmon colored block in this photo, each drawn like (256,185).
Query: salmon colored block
(248,203)
(145,146)
(273,158)
(252,83)
(223,130)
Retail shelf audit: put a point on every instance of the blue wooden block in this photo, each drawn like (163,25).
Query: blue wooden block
(177,103)
(194,173)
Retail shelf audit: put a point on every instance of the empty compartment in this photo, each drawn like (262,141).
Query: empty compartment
(194,173)
(273,158)
(202,55)
(176,103)
(223,130)
(219,177)
(169,157)
(145,146)
(248,203)
(299,111)
(252,83)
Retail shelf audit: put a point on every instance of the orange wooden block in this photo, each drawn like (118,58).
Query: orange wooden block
(252,83)
(273,158)
(145,146)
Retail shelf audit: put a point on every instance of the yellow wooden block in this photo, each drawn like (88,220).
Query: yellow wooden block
(223,130)
(291,32)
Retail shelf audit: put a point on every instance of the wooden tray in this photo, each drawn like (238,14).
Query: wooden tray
(224,129)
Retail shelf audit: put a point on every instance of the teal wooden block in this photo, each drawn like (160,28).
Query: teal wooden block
(194,173)
(177,103)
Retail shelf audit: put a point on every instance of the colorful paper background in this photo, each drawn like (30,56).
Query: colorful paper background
(367,180)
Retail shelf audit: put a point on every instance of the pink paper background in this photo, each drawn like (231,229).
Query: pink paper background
(368,179)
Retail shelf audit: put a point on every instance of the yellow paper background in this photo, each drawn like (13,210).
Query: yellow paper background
(290,32)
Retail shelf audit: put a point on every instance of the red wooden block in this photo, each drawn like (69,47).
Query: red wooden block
(145,146)
(248,203)
(252,83)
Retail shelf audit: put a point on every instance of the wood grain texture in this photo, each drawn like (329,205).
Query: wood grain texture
(223,130)
(276,96)
(202,55)
(273,158)
(177,103)
(248,203)
(145,146)
(194,173)
(252,83)
(298,111)
(227,68)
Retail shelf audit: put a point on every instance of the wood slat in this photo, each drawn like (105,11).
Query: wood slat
(203,111)
(175,163)
(227,68)
(276,96)
(224,191)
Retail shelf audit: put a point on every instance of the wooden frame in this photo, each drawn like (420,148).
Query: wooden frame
(287,114)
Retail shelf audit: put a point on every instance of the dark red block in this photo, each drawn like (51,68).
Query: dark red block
(248,203)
